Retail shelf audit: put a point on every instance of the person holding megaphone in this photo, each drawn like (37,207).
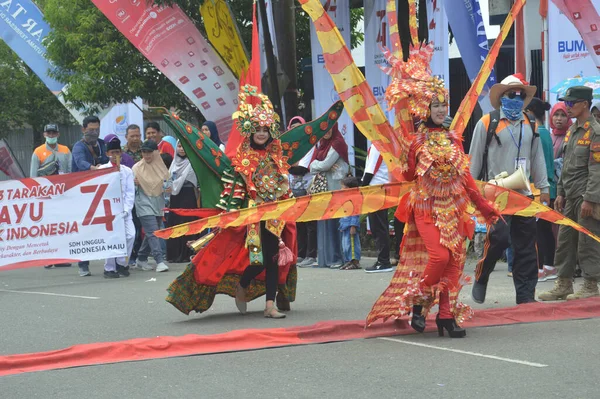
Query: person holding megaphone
(506,150)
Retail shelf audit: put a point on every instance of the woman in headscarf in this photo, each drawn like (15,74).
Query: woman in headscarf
(559,123)
(329,161)
(184,196)
(209,128)
(596,110)
(150,173)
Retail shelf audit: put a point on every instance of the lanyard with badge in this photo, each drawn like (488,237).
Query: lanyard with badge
(519,161)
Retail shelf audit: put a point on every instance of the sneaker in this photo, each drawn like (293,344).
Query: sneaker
(143,265)
(62,265)
(84,272)
(550,272)
(299,260)
(509,274)
(123,271)
(541,276)
(111,274)
(335,266)
(48,267)
(162,267)
(379,267)
(308,262)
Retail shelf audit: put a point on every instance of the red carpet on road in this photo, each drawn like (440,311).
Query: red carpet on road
(253,339)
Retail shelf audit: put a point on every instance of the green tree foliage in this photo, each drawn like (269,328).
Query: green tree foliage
(24,99)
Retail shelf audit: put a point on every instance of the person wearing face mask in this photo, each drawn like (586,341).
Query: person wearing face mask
(50,159)
(89,152)
(117,267)
(504,141)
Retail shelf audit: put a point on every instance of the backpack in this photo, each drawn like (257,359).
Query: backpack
(491,134)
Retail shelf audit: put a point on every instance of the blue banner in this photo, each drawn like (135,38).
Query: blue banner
(467,26)
(23,28)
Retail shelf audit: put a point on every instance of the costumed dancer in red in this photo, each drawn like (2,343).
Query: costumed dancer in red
(433,251)
(246,262)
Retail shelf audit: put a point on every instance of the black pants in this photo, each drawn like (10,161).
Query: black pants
(270,248)
(399,232)
(521,231)
(307,239)
(380,228)
(138,236)
(546,243)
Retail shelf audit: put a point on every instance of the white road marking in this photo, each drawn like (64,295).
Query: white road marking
(51,294)
(504,359)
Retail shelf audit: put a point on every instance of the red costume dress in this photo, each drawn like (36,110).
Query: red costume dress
(433,250)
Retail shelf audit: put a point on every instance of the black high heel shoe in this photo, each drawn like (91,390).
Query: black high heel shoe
(418,320)
(450,325)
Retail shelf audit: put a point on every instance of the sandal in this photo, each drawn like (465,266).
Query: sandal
(352,265)
(273,313)
(240,299)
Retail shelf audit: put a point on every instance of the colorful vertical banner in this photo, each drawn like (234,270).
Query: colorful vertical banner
(376,37)
(568,54)
(325,93)
(171,42)
(8,163)
(223,34)
(468,28)
(23,28)
(120,116)
(438,34)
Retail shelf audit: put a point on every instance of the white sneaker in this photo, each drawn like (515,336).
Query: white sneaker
(307,262)
(162,267)
(143,265)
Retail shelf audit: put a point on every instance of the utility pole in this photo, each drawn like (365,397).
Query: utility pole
(284,15)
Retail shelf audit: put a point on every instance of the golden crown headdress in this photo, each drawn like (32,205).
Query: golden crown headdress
(255,110)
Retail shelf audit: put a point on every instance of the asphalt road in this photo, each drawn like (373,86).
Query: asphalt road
(541,360)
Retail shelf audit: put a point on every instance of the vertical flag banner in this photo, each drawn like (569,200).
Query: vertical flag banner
(568,54)
(325,93)
(376,37)
(171,42)
(8,163)
(61,218)
(223,34)
(23,28)
(469,31)
(120,116)
(438,34)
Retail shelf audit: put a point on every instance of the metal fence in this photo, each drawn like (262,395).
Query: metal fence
(22,142)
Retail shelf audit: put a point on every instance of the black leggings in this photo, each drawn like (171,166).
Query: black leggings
(270,248)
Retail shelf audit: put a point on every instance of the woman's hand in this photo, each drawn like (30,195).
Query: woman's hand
(136,181)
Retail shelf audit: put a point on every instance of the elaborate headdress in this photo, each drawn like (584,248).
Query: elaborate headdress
(255,110)
(412,80)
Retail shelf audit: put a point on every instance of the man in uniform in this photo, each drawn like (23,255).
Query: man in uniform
(578,198)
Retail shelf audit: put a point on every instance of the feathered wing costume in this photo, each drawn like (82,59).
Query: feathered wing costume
(242,182)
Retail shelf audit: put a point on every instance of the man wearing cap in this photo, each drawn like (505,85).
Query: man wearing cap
(578,198)
(503,141)
(50,158)
(117,267)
